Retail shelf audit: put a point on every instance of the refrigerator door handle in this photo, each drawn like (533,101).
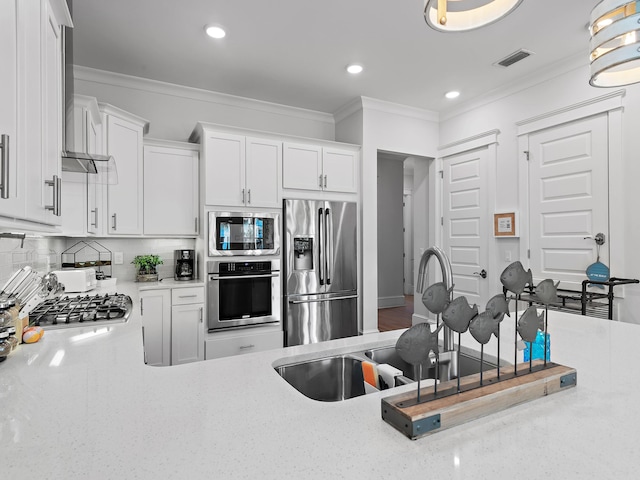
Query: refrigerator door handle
(316,300)
(321,245)
(328,228)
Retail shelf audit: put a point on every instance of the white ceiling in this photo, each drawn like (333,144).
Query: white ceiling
(294,52)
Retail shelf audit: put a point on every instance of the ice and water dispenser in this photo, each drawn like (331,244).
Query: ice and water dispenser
(303,258)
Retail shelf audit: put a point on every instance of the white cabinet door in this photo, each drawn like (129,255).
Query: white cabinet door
(124,200)
(339,168)
(170,191)
(187,342)
(262,172)
(51,117)
(11,196)
(155,310)
(74,203)
(225,169)
(302,167)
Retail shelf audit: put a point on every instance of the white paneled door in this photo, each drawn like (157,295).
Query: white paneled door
(568,199)
(466,223)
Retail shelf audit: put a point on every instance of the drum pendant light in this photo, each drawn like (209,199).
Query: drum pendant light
(462,15)
(615,43)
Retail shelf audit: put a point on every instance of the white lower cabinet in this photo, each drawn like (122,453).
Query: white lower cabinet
(173,325)
(221,345)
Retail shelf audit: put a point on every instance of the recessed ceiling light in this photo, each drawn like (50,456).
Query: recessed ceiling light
(354,69)
(215,31)
(452,94)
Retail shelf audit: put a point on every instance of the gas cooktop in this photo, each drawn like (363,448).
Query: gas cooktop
(66,311)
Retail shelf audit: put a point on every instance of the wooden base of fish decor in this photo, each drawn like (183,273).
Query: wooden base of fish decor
(449,408)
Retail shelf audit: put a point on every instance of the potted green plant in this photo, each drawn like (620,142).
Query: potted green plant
(146,265)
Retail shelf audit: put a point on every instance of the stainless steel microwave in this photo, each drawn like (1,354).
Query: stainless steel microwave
(242,233)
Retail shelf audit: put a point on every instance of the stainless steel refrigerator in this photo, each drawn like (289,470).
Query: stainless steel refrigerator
(320,271)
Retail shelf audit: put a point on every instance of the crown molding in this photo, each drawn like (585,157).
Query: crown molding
(557,69)
(369,103)
(348,109)
(170,89)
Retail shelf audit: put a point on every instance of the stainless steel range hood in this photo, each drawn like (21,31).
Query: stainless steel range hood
(74,161)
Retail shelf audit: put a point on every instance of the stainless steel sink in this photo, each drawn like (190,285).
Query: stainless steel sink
(329,379)
(447,367)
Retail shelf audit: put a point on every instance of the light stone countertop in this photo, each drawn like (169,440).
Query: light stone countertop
(81,404)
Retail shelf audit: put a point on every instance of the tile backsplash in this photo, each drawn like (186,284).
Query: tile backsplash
(44,254)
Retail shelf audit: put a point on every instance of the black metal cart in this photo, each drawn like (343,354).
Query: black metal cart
(592,304)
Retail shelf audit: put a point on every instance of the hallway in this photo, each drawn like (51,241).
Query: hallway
(396,318)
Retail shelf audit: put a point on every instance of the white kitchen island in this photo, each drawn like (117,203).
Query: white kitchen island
(82,404)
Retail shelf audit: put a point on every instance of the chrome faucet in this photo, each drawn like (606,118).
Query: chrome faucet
(447,277)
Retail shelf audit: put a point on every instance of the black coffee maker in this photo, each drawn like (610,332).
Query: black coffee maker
(185,264)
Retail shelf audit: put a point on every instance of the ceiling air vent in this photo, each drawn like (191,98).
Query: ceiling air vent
(513,58)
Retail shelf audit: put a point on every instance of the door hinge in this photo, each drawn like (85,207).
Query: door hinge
(526,154)
(441,220)
(441,173)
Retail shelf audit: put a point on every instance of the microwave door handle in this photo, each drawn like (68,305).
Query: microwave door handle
(321,245)
(328,219)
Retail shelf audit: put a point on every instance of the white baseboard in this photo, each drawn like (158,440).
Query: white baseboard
(388,302)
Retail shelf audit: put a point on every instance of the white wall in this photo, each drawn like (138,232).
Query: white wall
(392,128)
(173,110)
(390,234)
(41,254)
(550,95)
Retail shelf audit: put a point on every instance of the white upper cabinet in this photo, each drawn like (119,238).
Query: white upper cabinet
(82,192)
(11,172)
(311,167)
(241,171)
(123,138)
(31,114)
(170,188)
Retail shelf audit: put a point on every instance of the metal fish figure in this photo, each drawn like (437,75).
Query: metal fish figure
(514,278)
(415,344)
(437,297)
(498,304)
(484,325)
(458,314)
(547,292)
(530,323)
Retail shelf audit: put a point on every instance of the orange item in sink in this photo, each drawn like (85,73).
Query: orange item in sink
(370,373)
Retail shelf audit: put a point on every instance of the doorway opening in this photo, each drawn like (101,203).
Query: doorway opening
(402,225)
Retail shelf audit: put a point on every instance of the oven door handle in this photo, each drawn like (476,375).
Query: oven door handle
(239,277)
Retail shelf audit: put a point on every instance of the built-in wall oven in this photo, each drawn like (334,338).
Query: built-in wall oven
(243,233)
(243,293)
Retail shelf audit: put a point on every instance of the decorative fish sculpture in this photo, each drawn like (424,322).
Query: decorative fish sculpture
(416,343)
(458,314)
(498,304)
(484,325)
(547,292)
(515,278)
(530,323)
(437,297)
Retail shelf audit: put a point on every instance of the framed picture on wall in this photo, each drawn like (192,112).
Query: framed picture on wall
(504,224)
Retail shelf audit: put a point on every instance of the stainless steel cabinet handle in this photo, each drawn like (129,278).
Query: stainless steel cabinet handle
(114,221)
(4,175)
(142,306)
(325,181)
(95,217)
(201,314)
(244,347)
(56,183)
(144,350)
(196,223)
(243,198)
(187,296)
(320,181)
(249,196)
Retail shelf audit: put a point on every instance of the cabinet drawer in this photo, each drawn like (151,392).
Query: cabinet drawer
(228,346)
(184,296)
